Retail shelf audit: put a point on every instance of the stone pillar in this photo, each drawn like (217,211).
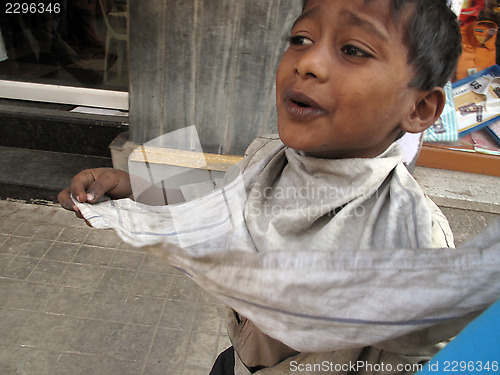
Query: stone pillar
(209,63)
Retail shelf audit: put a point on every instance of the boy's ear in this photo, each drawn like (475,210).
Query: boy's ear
(426,111)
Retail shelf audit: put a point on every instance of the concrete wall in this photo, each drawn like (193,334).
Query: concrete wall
(209,63)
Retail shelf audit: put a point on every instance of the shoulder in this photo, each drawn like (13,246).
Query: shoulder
(421,213)
(442,236)
(262,143)
(259,148)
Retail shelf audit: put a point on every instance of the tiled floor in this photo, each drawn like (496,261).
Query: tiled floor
(78,301)
(75,300)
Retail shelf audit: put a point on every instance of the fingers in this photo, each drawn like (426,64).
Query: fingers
(65,200)
(104,181)
(80,185)
(78,190)
(91,184)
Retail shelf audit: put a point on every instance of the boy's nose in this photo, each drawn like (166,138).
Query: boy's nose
(313,64)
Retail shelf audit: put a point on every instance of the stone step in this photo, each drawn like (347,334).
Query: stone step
(34,175)
(54,127)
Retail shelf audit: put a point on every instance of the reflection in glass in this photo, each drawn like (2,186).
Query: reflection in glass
(80,43)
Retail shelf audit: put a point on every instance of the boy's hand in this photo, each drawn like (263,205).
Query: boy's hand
(91,184)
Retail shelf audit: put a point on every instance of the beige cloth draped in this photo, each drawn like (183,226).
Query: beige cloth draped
(363,263)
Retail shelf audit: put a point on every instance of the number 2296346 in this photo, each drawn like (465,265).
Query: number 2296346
(32,8)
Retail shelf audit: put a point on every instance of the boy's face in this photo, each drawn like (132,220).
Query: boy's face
(343,84)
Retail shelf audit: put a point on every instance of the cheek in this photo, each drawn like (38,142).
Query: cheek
(281,67)
(285,68)
(282,77)
(377,99)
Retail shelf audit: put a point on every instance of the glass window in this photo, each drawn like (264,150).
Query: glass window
(75,43)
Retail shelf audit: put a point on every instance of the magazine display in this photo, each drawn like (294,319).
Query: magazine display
(477,100)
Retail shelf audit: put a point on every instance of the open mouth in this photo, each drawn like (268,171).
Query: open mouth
(301,106)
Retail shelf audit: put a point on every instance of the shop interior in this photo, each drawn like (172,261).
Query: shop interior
(467,136)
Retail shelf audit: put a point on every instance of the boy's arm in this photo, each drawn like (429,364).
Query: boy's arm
(91,184)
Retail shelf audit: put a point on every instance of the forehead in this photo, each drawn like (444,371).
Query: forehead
(378,10)
(374,16)
(366,2)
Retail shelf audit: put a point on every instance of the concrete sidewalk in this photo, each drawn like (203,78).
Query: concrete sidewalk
(465,191)
(75,300)
(469,201)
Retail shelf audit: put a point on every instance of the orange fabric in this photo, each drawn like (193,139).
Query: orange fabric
(478,47)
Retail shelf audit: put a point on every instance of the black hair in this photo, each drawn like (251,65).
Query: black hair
(432,36)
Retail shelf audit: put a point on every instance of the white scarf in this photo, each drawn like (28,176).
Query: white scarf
(320,204)
(315,282)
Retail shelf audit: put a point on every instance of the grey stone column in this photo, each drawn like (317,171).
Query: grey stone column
(209,63)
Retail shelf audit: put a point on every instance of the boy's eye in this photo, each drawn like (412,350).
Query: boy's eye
(300,40)
(351,50)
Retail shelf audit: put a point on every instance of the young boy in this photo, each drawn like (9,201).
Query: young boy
(356,76)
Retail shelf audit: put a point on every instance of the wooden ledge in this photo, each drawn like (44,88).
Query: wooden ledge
(461,161)
(180,158)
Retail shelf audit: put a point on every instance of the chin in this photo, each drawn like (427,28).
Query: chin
(289,136)
(291,140)
(297,141)
(301,136)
